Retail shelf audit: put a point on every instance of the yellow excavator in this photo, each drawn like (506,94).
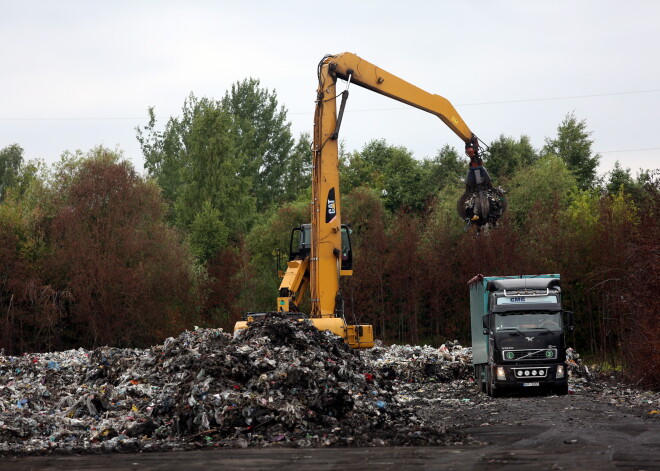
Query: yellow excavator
(320,252)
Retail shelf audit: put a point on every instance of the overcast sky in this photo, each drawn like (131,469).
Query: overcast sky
(76,74)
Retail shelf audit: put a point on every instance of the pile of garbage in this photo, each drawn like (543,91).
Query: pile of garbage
(276,383)
(416,364)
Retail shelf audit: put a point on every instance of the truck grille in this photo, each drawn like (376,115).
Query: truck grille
(530,354)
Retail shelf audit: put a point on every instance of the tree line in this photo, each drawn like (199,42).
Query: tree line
(95,253)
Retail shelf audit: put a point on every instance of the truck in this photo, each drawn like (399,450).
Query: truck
(320,252)
(518,332)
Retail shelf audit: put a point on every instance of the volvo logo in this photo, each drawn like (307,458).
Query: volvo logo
(529,339)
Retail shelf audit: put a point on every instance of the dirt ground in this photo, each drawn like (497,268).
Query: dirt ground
(597,426)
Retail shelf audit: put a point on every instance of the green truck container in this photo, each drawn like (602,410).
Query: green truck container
(518,329)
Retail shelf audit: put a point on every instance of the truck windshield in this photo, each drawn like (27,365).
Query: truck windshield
(526,321)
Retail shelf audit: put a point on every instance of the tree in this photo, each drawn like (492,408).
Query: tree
(505,155)
(208,233)
(11,160)
(619,177)
(298,169)
(366,291)
(165,151)
(88,259)
(213,171)
(356,172)
(390,170)
(538,187)
(265,139)
(573,146)
(445,169)
(403,177)
(130,279)
(198,160)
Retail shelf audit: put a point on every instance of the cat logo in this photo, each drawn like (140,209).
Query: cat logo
(331,207)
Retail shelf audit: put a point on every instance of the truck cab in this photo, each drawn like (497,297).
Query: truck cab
(518,327)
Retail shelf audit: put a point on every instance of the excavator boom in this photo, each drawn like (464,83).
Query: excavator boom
(348,66)
(320,264)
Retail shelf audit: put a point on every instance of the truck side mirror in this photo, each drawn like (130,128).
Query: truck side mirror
(570,321)
(485,322)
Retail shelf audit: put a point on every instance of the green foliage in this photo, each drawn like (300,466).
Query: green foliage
(573,146)
(540,187)
(443,216)
(583,213)
(165,151)
(208,233)
(364,209)
(622,210)
(197,158)
(11,160)
(298,169)
(619,177)
(446,169)
(355,172)
(620,180)
(391,170)
(506,155)
(403,176)
(265,140)
(212,172)
(88,254)
(267,240)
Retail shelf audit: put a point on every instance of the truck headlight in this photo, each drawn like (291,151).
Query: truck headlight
(500,373)
(560,371)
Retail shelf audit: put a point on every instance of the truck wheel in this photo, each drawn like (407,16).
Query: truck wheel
(494,392)
(482,381)
(490,390)
(490,387)
(561,390)
(478,377)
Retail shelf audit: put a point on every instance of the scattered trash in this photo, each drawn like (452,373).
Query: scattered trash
(575,366)
(278,383)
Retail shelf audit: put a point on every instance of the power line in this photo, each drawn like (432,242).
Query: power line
(636,92)
(503,102)
(626,150)
(80,119)
(527,100)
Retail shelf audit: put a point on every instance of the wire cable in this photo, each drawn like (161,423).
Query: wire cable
(503,102)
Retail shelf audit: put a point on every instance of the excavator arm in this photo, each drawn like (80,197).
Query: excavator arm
(326,295)
(348,66)
(319,265)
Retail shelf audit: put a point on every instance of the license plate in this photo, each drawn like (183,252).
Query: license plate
(531,384)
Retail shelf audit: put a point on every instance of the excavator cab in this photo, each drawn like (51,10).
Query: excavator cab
(346,252)
(300,245)
(302,238)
